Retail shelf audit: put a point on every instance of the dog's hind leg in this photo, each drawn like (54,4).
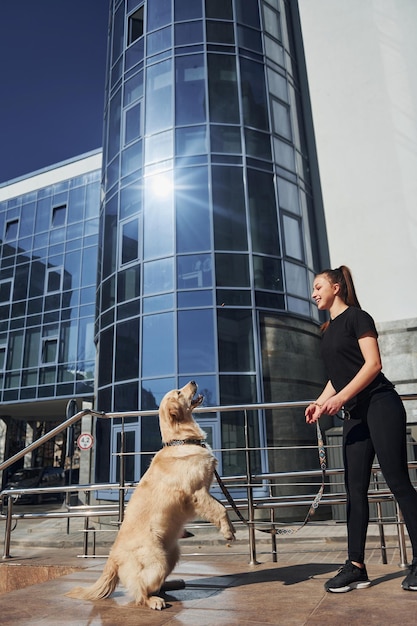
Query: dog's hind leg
(144,582)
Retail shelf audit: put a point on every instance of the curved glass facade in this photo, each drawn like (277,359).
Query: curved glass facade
(206,213)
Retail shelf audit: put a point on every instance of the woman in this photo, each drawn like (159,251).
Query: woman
(375,420)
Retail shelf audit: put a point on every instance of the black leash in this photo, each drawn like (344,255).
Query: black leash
(227,495)
(314,504)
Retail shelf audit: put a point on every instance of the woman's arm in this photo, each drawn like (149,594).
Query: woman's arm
(368,345)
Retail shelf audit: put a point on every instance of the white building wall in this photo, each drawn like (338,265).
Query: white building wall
(361,57)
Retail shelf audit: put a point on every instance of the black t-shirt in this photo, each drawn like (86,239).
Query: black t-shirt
(342,355)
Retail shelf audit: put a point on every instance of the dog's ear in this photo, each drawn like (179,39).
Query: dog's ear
(175,411)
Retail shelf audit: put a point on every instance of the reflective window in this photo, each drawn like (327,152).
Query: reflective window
(128,284)
(113,145)
(159,14)
(296,280)
(133,88)
(89,266)
(247,13)
(193,299)
(118,30)
(155,304)
(190,141)
(158,345)
(158,276)
(220,32)
(194,271)
(277,85)
(159,96)
(232,270)
(129,245)
(281,119)
(235,337)
(255,110)
(225,139)
(54,279)
(219,9)
(127,350)
(133,123)
(249,38)
(189,33)
(229,209)
(6,290)
(12,228)
(192,209)
(186,10)
(159,40)
(293,237)
(288,196)
(132,158)
(258,144)
(76,204)
(3,348)
(105,360)
(272,22)
(131,199)
(159,147)
(263,213)
(284,154)
(267,273)
(158,215)
(190,95)
(223,93)
(196,341)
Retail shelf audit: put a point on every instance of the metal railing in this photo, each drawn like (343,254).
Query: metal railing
(249,482)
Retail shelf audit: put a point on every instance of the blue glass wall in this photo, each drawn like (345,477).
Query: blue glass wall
(48,260)
(207,218)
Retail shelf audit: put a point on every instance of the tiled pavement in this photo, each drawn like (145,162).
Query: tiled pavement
(221,587)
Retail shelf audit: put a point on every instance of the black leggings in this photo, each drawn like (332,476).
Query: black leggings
(376,427)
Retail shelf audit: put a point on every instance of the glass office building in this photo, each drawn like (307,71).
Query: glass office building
(49,223)
(211,222)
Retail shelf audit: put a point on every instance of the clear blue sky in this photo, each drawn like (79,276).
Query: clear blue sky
(52,75)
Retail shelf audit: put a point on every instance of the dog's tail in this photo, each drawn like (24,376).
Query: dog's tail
(104,586)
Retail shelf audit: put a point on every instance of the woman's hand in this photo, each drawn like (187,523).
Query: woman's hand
(332,405)
(313,412)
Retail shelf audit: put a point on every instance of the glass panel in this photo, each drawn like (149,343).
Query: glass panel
(12,228)
(159,14)
(281,119)
(277,85)
(192,209)
(302,307)
(32,347)
(132,158)
(58,215)
(193,299)
(159,97)
(76,205)
(129,241)
(135,26)
(194,271)
(129,445)
(249,38)
(6,290)
(229,209)
(235,336)
(296,280)
(158,341)
(288,196)
(225,139)
(223,95)
(196,342)
(128,284)
(219,9)
(126,398)
(86,348)
(255,110)
(247,13)
(293,239)
(49,350)
(133,123)
(133,88)
(267,273)
(272,22)
(130,200)
(105,359)
(158,41)
(190,94)
(186,10)
(284,154)
(127,350)
(155,304)
(114,125)
(232,270)
(189,33)
(89,267)
(158,276)
(54,280)
(159,147)
(158,215)
(190,141)
(263,213)
(118,29)
(220,32)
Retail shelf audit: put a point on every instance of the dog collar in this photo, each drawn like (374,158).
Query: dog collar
(181,442)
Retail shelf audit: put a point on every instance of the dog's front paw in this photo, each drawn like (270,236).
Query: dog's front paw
(229,532)
(156,603)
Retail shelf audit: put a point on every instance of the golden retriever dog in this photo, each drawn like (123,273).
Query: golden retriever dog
(173,491)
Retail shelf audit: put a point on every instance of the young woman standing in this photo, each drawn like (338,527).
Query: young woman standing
(375,420)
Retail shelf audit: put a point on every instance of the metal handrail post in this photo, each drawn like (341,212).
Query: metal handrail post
(251,527)
(122,474)
(8,528)
(401,537)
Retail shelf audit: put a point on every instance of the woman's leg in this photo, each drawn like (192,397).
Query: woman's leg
(387,425)
(358,454)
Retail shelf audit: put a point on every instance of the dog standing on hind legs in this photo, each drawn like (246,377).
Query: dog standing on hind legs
(173,491)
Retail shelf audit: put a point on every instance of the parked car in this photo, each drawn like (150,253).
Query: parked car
(34,477)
